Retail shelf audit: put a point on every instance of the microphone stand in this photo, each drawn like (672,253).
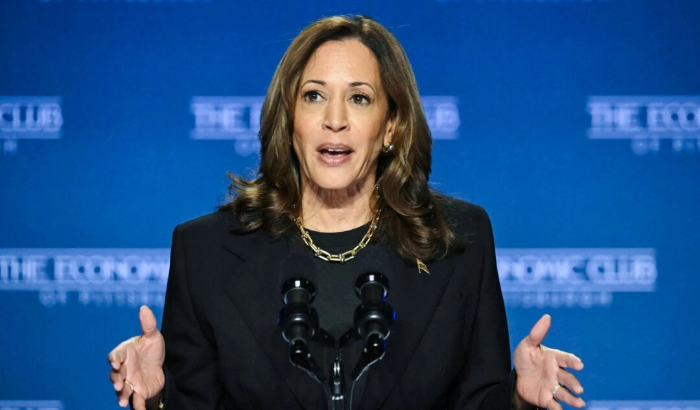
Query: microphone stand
(337,384)
(299,323)
(300,356)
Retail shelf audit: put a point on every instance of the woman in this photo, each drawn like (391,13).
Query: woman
(345,160)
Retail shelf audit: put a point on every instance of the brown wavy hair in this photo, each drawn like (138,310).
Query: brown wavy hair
(413,220)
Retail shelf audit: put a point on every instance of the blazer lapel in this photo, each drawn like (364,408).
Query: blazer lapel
(255,291)
(415,297)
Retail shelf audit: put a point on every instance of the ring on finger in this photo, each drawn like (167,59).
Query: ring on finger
(130,385)
(555,389)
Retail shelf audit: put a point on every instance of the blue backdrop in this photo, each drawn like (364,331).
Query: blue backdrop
(575,123)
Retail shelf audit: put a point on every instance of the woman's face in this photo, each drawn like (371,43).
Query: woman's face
(340,117)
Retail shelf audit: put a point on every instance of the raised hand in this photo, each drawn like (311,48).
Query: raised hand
(541,369)
(137,364)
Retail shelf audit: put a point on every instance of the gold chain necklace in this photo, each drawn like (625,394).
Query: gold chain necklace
(340,257)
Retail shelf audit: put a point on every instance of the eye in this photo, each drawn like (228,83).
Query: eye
(312,96)
(360,99)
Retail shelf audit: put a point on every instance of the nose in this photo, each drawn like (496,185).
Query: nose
(335,116)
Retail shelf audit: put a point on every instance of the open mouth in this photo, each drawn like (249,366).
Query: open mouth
(335,152)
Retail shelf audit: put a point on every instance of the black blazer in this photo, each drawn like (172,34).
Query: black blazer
(448,348)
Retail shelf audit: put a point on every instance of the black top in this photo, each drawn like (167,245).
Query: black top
(336,300)
(335,295)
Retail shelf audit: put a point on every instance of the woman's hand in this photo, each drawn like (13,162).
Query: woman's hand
(137,364)
(541,369)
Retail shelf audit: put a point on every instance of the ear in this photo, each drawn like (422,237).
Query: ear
(389,131)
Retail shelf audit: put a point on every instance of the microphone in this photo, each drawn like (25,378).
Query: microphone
(298,319)
(373,317)
(373,320)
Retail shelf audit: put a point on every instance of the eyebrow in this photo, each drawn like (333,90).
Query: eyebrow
(359,83)
(352,84)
